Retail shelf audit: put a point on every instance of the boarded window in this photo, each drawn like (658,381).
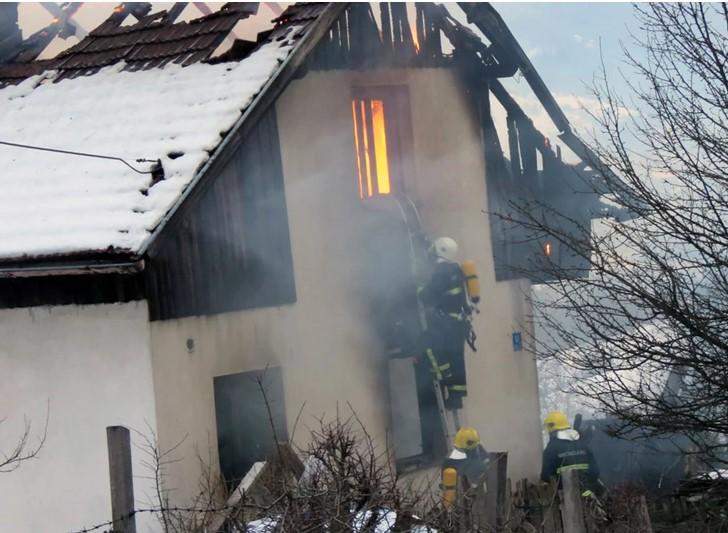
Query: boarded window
(245,430)
(380,116)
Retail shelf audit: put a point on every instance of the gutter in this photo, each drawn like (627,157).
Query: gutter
(266,96)
(71,269)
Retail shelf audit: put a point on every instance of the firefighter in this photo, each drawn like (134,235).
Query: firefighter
(566,451)
(465,467)
(447,322)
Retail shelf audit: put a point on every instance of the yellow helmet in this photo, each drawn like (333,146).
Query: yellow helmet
(555,421)
(467,438)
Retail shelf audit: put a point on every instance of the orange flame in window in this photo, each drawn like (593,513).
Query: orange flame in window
(415,41)
(380,147)
(370,142)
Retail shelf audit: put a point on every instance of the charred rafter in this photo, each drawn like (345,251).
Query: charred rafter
(487,19)
(15,50)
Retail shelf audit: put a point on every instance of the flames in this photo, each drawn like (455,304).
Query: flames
(380,147)
(415,41)
(370,141)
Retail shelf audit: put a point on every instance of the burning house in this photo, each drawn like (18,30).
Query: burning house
(208,224)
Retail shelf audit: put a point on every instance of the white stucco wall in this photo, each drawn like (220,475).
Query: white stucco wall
(91,367)
(449,186)
(447,183)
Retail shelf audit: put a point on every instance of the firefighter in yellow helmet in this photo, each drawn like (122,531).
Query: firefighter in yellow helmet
(465,467)
(566,451)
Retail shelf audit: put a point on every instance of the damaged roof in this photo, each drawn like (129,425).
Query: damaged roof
(140,93)
(152,42)
(152,97)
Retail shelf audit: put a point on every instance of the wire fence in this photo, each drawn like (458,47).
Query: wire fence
(174,509)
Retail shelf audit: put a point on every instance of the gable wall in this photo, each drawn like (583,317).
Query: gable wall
(326,343)
(447,183)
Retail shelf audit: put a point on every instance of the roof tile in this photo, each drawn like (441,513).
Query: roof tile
(149,38)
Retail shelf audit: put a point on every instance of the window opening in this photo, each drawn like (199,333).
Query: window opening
(382,140)
(372,148)
(247,423)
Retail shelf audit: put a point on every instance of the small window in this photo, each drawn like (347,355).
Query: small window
(379,117)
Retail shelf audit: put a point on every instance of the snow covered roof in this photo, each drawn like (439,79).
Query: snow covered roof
(55,204)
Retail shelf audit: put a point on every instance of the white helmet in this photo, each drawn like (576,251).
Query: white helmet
(446,248)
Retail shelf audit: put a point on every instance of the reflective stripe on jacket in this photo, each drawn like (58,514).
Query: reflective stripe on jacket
(565,451)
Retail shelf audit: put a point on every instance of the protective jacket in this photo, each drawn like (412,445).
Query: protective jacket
(566,451)
(446,290)
(447,329)
(470,467)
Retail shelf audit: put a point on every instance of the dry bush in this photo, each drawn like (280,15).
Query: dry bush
(348,485)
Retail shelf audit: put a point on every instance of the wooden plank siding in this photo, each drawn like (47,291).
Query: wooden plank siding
(230,247)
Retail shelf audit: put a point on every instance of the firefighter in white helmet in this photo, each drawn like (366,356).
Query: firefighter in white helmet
(447,321)
(446,249)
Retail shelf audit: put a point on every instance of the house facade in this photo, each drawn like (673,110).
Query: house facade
(240,297)
(326,343)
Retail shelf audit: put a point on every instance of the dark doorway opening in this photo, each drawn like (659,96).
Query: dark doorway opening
(246,432)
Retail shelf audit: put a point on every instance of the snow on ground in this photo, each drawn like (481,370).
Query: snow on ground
(715,474)
(57,204)
(385,521)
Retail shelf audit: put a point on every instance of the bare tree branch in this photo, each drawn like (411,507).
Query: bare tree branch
(645,334)
(24,450)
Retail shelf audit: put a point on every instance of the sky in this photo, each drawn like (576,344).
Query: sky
(563,40)
(566,43)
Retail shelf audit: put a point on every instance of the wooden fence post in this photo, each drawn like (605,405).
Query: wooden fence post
(644,516)
(479,513)
(122,487)
(496,486)
(572,512)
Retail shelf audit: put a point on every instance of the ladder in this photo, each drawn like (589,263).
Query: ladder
(450,424)
(449,418)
